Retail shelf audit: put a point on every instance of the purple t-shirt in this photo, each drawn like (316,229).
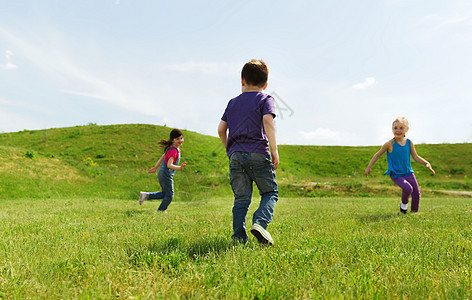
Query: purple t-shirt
(244,117)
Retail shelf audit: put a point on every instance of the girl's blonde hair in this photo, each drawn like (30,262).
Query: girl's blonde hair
(403,121)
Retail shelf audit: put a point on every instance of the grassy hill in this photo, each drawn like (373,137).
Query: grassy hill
(111,162)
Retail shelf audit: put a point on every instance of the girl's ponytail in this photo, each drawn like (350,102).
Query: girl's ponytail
(175,133)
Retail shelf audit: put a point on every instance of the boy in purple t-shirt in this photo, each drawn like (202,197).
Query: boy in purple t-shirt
(247,131)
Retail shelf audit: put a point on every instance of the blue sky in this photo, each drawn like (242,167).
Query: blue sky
(341,71)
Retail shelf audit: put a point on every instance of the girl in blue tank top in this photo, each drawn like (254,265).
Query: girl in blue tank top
(169,162)
(399,150)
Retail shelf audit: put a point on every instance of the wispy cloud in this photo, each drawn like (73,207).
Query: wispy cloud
(68,71)
(320,134)
(368,82)
(25,106)
(456,21)
(462,17)
(208,68)
(8,64)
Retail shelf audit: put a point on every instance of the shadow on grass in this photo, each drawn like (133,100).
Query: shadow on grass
(200,247)
(173,252)
(132,212)
(379,217)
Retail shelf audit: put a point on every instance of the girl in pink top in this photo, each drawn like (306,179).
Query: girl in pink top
(171,159)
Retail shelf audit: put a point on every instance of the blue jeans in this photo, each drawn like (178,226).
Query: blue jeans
(244,169)
(167,186)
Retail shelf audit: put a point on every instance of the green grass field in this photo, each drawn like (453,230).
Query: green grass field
(71,225)
(338,247)
(110,162)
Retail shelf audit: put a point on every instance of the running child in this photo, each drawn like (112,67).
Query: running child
(247,131)
(169,162)
(399,150)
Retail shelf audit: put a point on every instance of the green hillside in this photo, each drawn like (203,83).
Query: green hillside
(111,162)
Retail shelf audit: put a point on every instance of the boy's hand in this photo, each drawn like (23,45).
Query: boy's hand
(152,170)
(367,171)
(275,159)
(183,165)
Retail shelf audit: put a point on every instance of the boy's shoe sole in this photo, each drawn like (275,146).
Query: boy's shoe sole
(403,211)
(142,197)
(262,235)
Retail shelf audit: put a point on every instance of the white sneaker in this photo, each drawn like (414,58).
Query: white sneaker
(262,235)
(142,197)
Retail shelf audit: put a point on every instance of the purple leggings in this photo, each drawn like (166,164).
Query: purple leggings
(409,187)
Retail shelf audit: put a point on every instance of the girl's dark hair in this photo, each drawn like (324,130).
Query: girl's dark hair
(175,133)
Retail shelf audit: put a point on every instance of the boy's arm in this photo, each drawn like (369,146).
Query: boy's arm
(419,159)
(222,132)
(154,169)
(269,128)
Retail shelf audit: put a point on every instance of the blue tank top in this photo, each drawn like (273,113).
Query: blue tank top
(399,163)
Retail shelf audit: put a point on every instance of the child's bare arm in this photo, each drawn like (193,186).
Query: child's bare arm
(222,132)
(269,128)
(376,156)
(419,159)
(154,169)
(171,165)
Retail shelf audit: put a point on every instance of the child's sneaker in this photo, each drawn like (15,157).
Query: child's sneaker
(142,197)
(403,208)
(262,235)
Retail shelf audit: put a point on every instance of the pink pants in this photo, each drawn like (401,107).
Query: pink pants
(409,186)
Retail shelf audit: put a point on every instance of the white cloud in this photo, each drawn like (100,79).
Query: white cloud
(368,82)
(320,134)
(8,65)
(10,122)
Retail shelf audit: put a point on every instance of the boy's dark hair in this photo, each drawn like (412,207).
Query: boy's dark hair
(175,133)
(255,73)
